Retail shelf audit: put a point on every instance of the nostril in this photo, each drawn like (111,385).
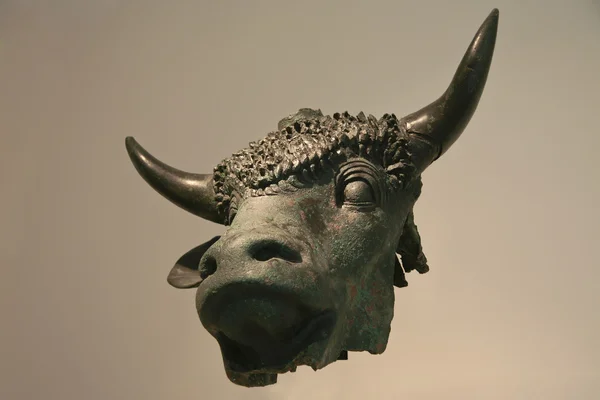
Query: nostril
(208,266)
(269,249)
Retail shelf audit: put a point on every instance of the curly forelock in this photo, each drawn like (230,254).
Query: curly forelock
(308,142)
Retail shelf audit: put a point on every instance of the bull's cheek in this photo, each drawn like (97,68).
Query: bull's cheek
(369,316)
(358,239)
(363,253)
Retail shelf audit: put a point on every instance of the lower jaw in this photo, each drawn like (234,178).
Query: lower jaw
(252,379)
(302,349)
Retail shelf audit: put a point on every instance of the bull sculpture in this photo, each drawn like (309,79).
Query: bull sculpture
(318,213)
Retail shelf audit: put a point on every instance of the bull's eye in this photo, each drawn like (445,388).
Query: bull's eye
(359,185)
(359,192)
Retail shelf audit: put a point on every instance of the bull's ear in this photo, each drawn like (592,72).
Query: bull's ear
(185,273)
(410,251)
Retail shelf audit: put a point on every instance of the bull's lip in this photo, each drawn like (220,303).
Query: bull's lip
(262,344)
(281,357)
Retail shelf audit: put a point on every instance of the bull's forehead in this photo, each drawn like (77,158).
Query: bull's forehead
(304,209)
(316,214)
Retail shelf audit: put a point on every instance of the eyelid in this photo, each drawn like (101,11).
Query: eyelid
(367,179)
(360,170)
(360,175)
(357,166)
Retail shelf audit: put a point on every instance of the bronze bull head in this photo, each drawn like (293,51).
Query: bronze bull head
(317,213)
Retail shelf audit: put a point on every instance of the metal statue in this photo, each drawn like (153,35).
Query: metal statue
(320,227)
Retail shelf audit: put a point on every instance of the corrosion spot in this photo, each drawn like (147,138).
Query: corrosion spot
(303,215)
(353,292)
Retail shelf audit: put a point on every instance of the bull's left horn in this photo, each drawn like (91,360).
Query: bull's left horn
(434,128)
(192,192)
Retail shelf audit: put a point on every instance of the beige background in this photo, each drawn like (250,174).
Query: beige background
(509,217)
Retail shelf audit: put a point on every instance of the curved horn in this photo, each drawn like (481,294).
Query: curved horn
(192,192)
(434,128)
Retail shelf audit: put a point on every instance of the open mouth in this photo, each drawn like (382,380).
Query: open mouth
(270,355)
(265,329)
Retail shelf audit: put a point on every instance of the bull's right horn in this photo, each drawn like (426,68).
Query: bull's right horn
(434,128)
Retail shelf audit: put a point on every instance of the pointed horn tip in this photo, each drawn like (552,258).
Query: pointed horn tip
(492,20)
(138,155)
(134,149)
(484,40)
(130,143)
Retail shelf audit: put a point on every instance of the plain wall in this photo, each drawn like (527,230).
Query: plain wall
(509,216)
